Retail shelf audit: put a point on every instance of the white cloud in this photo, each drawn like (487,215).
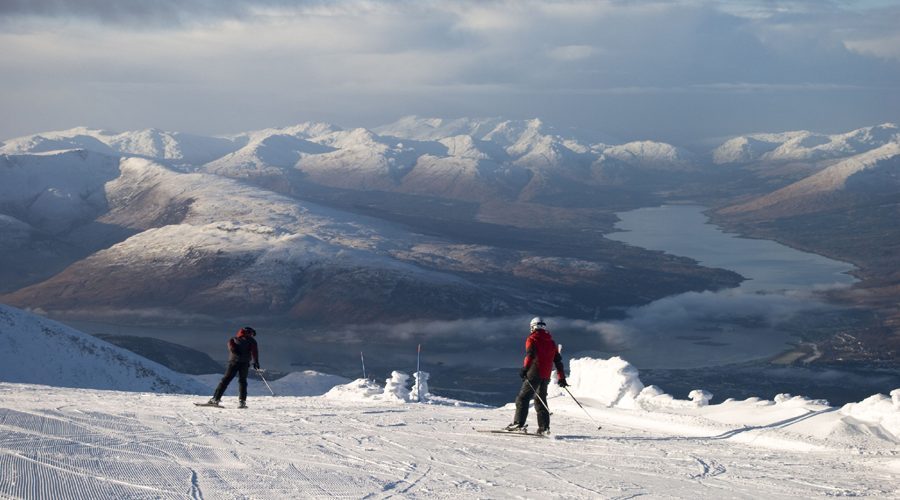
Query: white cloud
(572,52)
(240,64)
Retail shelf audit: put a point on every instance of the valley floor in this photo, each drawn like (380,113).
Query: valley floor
(62,443)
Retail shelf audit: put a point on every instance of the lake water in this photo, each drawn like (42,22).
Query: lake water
(755,320)
(768,266)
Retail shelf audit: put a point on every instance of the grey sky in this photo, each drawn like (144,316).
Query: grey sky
(674,70)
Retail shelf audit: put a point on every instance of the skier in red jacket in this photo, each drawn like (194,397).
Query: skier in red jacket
(541,355)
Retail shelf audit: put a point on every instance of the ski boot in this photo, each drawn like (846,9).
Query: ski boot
(514,427)
(242,404)
(543,431)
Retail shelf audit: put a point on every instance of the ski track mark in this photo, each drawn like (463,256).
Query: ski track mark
(334,449)
(710,468)
(196,491)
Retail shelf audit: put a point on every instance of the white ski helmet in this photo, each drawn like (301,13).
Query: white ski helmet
(537,322)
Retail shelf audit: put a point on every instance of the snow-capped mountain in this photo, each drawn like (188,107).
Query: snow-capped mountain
(468,159)
(57,190)
(176,147)
(804,145)
(866,175)
(653,155)
(40,351)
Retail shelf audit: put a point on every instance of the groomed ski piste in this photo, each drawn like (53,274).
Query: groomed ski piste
(327,437)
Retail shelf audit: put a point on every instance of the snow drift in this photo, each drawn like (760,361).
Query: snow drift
(615,383)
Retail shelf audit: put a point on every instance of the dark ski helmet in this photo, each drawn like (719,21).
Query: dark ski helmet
(248,331)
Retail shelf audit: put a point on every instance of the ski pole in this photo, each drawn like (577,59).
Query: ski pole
(361,358)
(537,395)
(258,372)
(583,408)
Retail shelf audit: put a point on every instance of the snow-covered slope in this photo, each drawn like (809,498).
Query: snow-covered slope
(653,155)
(58,190)
(358,442)
(804,145)
(208,244)
(40,351)
(265,156)
(867,174)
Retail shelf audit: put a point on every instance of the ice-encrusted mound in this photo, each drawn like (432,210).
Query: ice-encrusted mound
(360,388)
(613,382)
(395,387)
(877,410)
(394,390)
(419,391)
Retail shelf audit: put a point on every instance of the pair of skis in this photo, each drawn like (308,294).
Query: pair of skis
(523,431)
(258,372)
(213,405)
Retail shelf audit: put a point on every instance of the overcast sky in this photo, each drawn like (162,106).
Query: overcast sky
(673,70)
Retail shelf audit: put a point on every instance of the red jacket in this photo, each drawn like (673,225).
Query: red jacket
(541,355)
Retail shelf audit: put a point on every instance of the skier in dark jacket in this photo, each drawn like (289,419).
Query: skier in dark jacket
(541,355)
(242,350)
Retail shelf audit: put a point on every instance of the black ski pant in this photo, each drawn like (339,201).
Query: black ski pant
(526,393)
(234,368)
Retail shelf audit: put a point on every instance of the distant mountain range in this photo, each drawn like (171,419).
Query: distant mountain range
(421,218)
(804,145)
(470,159)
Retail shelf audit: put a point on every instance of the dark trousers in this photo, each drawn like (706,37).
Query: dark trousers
(234,368)
(524,397)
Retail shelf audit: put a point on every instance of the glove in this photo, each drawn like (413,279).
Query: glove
(256,365)
(562,383)
(523,373)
